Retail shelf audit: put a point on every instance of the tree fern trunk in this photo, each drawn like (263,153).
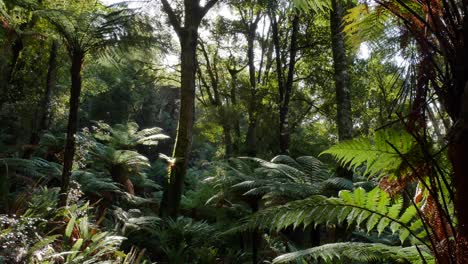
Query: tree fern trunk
(459,158)
(77,58)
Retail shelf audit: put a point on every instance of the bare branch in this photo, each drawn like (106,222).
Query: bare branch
(208,6)
(173,18)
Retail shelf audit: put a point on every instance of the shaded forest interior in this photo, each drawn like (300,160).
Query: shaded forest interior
(231,131)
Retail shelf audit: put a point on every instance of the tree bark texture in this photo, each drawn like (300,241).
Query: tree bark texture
(236,141)
(251,137)
(188,38)
(285,79)
(77,58)
(183,142)
(341,76)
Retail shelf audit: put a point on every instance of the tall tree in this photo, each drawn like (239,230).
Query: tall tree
(186,28)
(341,76)
(215,94)
(250,20)
(285,79)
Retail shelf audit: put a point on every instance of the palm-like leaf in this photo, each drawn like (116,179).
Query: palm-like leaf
(382,156)
(35,168)
(127,136)
(372,210)
(362,252)
(94,183)
(108,157)
(87,28)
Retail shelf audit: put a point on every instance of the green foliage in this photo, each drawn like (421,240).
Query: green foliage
(35,168)
(83,242)
(277,181)
(108,157)
(129,222)
(285,178)
(373,210)
(93,27)
(271,198)
(51,144)
(362,252)
(382,156)
(181,237)
(127,136)
(94,182)
(79,240)
(312,5)
(364,23)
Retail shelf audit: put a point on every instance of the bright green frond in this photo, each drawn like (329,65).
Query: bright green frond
(381,156)
(369,210)
(363,252)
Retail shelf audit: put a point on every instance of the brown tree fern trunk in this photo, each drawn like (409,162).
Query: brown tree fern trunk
(77,58)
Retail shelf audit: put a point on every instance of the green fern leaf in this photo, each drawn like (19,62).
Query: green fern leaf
(380,156)
(361,252)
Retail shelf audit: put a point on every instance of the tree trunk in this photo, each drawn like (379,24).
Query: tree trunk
(227,135)
(51,81)
(342,86)
(16,47)
(188,38)
(458,156)
(285,86)
(183,145)
(236,124)
(44,123)
(458,145)
(77,58)
(251,137)
(121,176)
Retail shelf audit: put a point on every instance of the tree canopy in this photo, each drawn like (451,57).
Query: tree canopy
(259,131)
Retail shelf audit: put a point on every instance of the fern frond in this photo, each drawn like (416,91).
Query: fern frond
(364,23)
(34,168)
(363,252)
(94,183)
(312,5)
(381,156)
(287,160)
(372,210)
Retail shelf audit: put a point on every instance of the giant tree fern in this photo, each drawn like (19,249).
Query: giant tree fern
(280,180)
(382,155)
(361,252)
(128,136)
(373,210)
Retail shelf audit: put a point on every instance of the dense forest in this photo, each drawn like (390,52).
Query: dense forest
(234,131)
